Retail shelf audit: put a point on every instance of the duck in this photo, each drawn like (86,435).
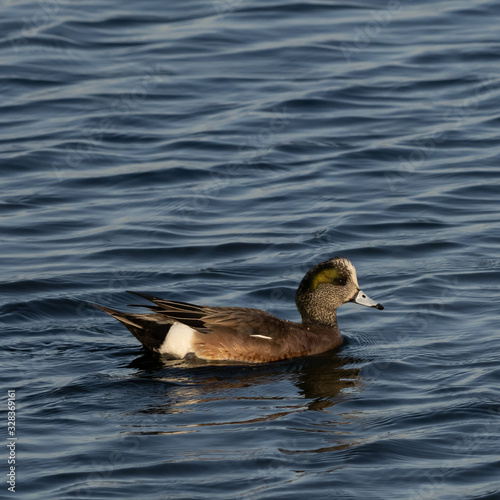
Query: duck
(242,334)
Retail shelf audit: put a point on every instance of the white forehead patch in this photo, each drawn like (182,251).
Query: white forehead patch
(353,272)
(349,267)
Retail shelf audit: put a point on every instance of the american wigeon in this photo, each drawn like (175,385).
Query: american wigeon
(251,335)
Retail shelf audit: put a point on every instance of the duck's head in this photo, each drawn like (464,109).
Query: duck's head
(327,286)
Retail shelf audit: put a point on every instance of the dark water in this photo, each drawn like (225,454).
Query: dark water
(211,152)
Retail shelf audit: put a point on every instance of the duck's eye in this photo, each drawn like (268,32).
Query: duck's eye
(339,281)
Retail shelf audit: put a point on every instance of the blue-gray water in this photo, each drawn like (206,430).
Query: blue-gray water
(211,152)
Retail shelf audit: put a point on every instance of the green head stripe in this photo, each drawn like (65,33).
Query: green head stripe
(325,276)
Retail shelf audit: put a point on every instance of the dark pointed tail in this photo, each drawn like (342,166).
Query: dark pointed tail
(149,329)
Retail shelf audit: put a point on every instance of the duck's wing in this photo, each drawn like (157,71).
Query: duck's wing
(239,321)
(189,314)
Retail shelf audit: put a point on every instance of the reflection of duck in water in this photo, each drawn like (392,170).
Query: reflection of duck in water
(251,335)
(282,388)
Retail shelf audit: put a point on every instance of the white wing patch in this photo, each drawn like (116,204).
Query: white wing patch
(261,337)
(179,341)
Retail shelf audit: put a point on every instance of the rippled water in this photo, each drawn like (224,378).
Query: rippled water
(212,152)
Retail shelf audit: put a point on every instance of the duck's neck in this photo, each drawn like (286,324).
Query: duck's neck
(316,310)
(317,316)
(323,321)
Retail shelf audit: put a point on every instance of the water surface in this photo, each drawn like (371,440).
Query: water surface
(212,152)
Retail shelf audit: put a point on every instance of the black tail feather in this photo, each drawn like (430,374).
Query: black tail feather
(149,329)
